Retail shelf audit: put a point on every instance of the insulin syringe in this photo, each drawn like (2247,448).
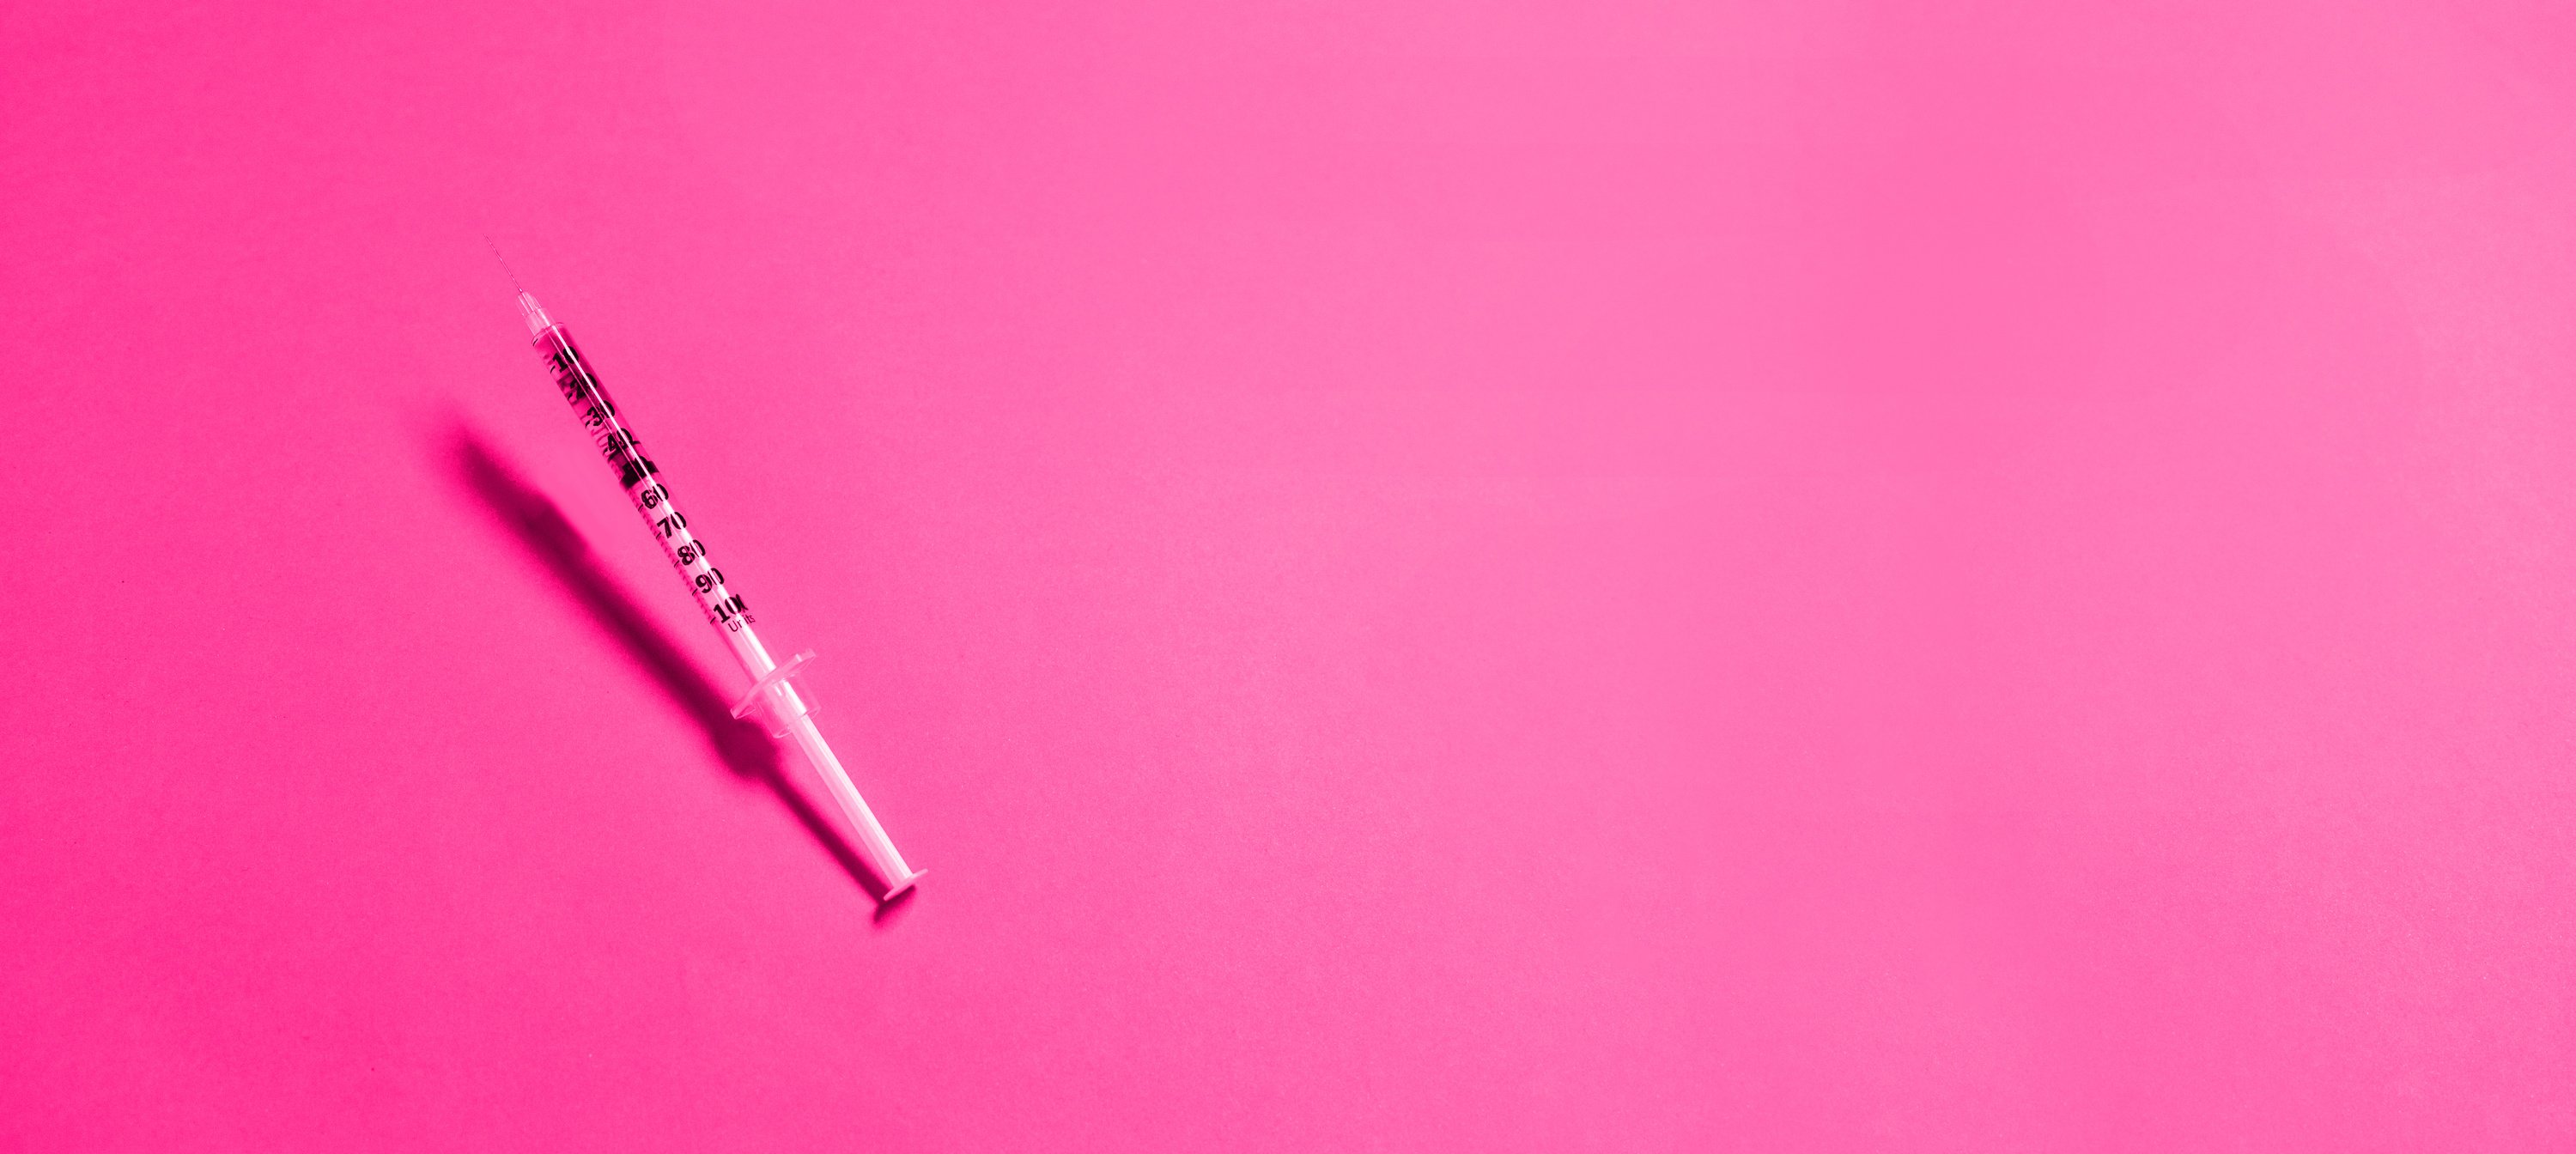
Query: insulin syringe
(788,715)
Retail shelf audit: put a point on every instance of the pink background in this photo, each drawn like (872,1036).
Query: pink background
(1422,576)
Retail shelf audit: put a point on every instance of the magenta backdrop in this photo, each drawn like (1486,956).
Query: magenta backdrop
(1422,576)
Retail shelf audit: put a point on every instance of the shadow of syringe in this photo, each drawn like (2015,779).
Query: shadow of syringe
(540,526)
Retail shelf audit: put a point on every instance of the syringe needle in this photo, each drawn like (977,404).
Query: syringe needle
(505,264)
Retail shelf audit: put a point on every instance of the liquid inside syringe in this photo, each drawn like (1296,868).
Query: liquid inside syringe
(637,474)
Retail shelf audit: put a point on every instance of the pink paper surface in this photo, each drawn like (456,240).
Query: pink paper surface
(1421,576)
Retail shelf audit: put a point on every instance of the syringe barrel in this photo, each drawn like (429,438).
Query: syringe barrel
(651,495)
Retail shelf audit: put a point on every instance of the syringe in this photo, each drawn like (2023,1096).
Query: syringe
(788,715)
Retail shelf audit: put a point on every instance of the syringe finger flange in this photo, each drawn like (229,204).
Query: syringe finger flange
(799,703)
